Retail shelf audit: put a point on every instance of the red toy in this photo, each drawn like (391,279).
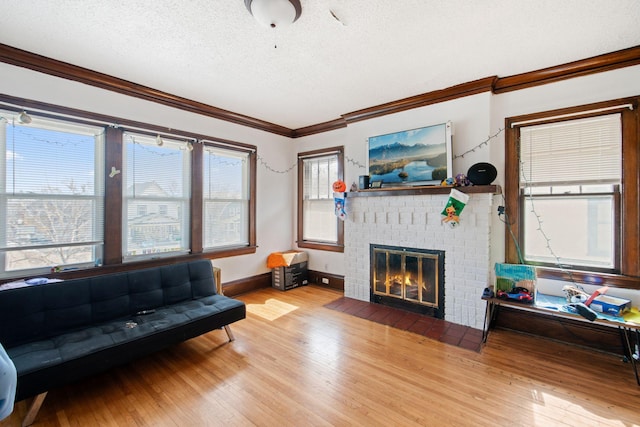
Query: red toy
(517,294)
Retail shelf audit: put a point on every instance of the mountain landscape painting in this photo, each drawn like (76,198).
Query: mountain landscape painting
(411,157)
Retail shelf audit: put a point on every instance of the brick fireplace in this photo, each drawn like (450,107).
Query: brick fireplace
(412,219)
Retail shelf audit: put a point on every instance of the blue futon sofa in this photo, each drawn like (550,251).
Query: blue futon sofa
(61,332)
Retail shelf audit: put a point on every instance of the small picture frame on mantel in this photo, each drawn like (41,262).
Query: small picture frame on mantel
(376,184)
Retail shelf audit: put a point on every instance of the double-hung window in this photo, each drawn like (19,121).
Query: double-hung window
(51,194)
(226,197)
(572,189)
(156,196)
(318,225)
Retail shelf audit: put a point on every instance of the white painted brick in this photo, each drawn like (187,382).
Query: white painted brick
(415,221)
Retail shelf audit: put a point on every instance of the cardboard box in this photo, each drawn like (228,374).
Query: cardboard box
(292,276)
(610,305)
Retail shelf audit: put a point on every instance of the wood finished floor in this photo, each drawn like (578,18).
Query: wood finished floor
(430,327)
(296,362)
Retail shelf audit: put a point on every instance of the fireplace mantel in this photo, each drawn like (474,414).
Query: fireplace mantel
(433,189)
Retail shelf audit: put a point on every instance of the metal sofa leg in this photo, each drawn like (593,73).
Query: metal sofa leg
(227,329)
(33,409)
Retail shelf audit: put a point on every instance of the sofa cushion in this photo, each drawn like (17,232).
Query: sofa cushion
(72,345)
(176,284)
(67,306)
(21,316)
(202,280)
(110,296)
(38,312)
(145,289)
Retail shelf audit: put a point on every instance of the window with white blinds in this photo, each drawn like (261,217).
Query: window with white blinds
(226,194)
(570,176)
(319,222)
(581,151)
(157,176)
(318,225)
(51,194)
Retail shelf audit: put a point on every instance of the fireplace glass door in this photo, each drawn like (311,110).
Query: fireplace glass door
(406,275)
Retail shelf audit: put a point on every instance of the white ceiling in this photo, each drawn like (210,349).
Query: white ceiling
(216,53)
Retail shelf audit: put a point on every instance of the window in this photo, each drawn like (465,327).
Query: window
(80,190)
(51,194)
(156,197)
(226,197)
(572,189)
(318,225)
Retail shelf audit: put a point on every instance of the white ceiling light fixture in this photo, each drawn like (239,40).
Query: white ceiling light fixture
(274,13)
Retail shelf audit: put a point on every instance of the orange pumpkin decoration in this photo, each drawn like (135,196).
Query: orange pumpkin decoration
(339,186)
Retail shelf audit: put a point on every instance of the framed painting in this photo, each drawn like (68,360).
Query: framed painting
(412,157)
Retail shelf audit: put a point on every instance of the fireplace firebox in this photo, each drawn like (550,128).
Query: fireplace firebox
(408,278)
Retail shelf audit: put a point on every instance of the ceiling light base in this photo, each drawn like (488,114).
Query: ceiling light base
(274,13)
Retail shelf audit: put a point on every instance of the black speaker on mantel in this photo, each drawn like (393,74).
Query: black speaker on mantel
(482,174)
(363,181)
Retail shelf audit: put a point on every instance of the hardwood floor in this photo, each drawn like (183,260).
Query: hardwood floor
(430,327)
(298,363)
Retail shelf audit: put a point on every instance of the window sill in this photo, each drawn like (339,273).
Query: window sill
(321,246)
(589,278)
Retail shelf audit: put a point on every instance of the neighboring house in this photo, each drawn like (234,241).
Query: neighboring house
(154,224)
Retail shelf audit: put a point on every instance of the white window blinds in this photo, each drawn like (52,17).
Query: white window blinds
(156,215)
(319,221)
(320,173)
(580,151)
(51,193)
(226,192)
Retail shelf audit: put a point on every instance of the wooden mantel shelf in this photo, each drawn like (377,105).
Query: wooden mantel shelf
(424,190)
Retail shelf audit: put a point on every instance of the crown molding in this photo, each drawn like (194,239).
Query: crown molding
(320,128)
(453,92)
(619,59)
(596,64)
(434,97)
(53,67)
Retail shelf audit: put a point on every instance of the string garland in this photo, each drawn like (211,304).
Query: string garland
(502,214)
(269,168)
(485,142)
(359,165)
(540,230)
(355,162)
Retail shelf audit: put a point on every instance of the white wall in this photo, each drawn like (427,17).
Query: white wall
(274,201)
(475,118)
(620,83)
(471,119)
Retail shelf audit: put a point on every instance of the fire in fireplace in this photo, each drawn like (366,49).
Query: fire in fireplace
(408,278)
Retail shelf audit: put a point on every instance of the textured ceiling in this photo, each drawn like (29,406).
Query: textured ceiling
(214,52)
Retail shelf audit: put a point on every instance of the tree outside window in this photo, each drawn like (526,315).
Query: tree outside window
(51,194)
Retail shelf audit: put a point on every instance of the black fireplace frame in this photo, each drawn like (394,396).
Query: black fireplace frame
(408,305)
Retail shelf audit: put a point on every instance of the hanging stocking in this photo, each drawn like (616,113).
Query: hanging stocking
(339,199)
(339,188)
(455,204)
